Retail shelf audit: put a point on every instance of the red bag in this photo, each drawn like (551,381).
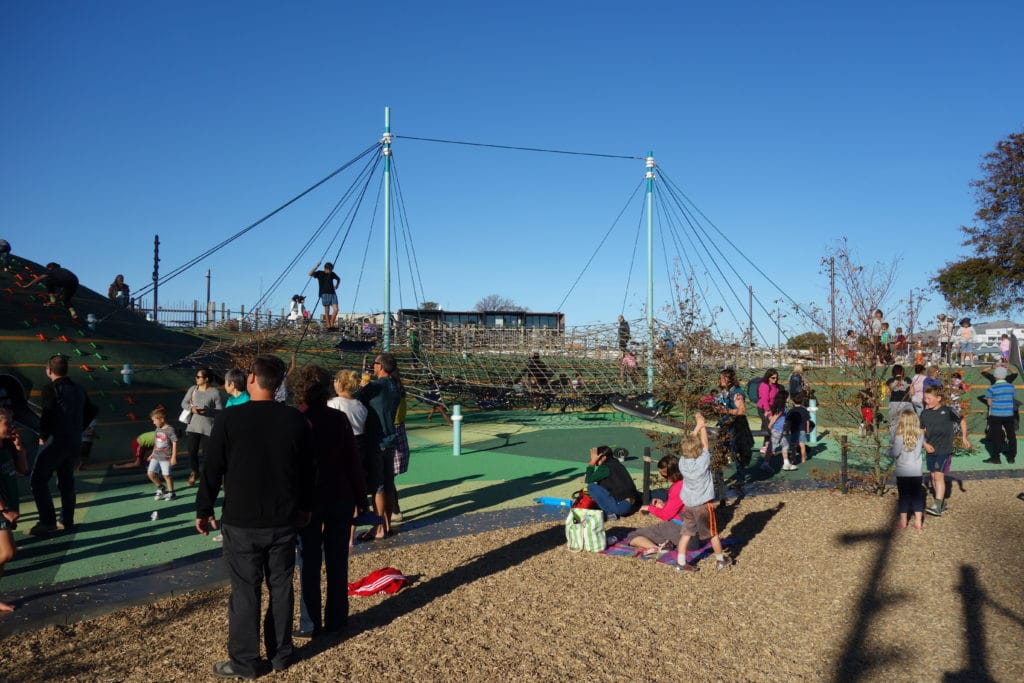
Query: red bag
(584,501)
(385,580)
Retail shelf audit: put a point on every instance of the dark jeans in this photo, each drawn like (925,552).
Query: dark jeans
(1001,437)
(59,457)
(911,492)
(193,441)
(252,556)
(607,502)
(324,541)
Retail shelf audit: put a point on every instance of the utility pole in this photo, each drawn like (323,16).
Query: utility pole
(207,297)
(750,326)
(779,315)
(156,273)
(832,301)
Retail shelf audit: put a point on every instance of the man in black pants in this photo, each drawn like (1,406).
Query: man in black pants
(262,453)
(66,412)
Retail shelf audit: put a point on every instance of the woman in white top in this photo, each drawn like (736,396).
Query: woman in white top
(345,383)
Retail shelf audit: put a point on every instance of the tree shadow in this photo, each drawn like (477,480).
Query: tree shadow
(422,594)
(973,598)
(857,661)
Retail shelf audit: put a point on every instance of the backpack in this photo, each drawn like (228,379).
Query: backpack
(796,384)
(752,388)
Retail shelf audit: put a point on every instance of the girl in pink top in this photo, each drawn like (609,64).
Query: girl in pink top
(654,538)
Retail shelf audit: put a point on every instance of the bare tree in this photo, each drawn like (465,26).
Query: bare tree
(496,302)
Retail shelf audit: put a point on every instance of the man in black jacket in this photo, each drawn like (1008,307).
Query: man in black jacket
(262,453)
(610,484)
(66,412)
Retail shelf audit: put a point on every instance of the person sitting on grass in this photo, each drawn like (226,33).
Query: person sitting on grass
(13,461)
(657,537)
(610,485)
(698,495)
(163,457)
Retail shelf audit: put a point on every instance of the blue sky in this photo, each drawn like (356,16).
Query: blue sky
(790,125)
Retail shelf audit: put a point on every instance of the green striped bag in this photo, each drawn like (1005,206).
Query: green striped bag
(584,530)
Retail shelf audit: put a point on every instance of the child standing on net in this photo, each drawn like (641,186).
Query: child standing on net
(163,457)
(698,496)
(907,442)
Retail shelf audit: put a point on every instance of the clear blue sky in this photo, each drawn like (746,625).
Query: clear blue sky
(790,125)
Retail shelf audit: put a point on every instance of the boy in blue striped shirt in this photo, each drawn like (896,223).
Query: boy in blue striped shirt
(1000,434)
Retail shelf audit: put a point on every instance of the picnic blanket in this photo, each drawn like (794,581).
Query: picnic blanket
(621,548)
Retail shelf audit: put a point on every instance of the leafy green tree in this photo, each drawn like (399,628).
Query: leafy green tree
(817,342)
(992,279)
(430,306)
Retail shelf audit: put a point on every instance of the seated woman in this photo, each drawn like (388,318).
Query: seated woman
(665,534)
(610,485)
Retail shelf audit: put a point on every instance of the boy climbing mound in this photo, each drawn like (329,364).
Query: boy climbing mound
(698,496)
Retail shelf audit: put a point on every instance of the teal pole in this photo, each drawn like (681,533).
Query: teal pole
(456,430)
(386,151)
(649,163)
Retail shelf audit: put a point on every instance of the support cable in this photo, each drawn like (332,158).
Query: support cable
(523,149)
(209,252)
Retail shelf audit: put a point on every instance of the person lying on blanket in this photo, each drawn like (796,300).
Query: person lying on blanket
(610,485)
(665,534)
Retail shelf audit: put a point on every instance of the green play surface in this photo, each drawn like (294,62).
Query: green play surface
(506,460)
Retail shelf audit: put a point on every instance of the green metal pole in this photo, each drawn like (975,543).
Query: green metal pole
(386,151)
(649,162)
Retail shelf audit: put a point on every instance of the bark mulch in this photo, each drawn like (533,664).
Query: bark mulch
(823,589)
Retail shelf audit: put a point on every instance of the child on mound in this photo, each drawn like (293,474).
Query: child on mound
(698,496)
(163,457)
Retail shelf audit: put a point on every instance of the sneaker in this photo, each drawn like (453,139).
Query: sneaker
(159,494)
(993,461)
(43,529)
(170,496)
(226,670)
(687,568)
(723,563)
(789,467)
(934,510)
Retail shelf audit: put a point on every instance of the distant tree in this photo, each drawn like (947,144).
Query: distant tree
(992,279)
(430,306)
(817,342)
(496,302)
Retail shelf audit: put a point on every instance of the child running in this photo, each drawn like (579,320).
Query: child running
(163,457)
(698,496)
(907,442)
